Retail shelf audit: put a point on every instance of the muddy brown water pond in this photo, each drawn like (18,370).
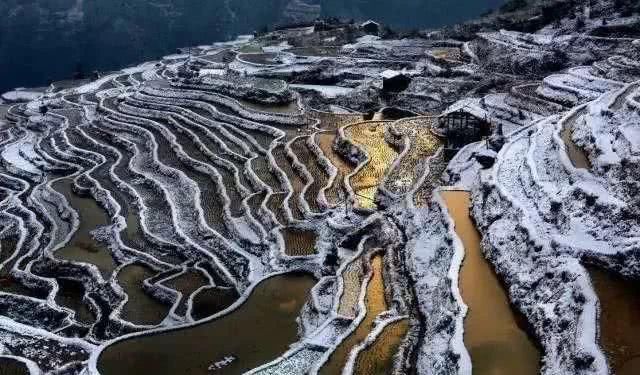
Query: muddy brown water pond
(82,247)
(495,341)
(576,154)
(619,324)
(211,301)
(255,333)
(9,366)
(299,242)
(140,308)
(375,303)
(187,284)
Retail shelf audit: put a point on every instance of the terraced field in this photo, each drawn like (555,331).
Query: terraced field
(144,204)
(230,210)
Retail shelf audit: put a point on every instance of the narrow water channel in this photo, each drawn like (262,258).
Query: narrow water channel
(140,307)
(496,343)
(576,154)
(375,303)
(255,333)
(619,324)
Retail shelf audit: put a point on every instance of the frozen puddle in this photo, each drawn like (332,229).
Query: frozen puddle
(496,343)
(619,324)
(255,333)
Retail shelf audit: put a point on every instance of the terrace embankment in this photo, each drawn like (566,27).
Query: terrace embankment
(268,321)
(375,304)
(496,342)
(619,326)
(325,142)
(9,258)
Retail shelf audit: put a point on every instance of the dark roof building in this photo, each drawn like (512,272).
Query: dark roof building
(461,128)
(371,27)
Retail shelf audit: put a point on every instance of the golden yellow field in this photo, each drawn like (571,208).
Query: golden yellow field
(370,137)
(423,145)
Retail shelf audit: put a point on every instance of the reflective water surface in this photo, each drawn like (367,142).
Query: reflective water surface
(140,307)
(576,154)
(255,333)
(619,323)
(82,247)
(496,343)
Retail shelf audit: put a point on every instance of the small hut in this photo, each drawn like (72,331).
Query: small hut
(371,27)
(461,128)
